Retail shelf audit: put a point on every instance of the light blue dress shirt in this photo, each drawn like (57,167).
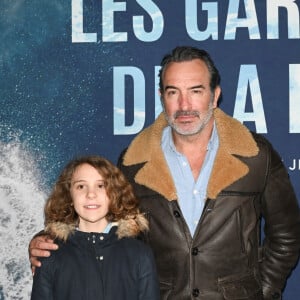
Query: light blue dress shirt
(191,194)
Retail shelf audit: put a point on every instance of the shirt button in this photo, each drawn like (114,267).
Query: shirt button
(195,192)
(195,292)
(101,237)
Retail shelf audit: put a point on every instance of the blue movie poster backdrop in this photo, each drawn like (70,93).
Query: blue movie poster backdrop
(80,77)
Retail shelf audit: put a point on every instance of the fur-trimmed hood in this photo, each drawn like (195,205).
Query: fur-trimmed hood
(234,140)
(129,227)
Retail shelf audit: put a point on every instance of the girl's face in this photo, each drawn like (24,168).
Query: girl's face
(89,198)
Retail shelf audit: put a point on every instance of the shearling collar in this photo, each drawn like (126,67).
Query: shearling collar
(235,139)
(129,227)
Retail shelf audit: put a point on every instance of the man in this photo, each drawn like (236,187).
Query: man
(204,181)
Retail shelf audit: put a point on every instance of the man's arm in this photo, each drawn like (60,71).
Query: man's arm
(282,229)
(40,246)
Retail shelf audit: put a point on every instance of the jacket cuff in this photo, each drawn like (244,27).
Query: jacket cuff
(271,293)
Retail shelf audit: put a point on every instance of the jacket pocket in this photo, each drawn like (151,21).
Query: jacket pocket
(240,286)
(165,290)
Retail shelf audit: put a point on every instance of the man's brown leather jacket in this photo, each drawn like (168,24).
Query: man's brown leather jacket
(225,259)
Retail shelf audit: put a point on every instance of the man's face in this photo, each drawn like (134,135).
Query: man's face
(186,96)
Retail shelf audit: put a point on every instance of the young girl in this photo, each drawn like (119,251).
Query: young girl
(93,215)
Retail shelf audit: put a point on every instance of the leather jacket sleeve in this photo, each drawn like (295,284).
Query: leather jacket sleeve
(282,229)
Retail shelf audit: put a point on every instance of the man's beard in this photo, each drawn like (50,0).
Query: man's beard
(204,118)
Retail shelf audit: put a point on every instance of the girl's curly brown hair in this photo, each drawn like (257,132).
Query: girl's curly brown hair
(123,203)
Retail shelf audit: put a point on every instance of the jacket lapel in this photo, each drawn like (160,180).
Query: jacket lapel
(234,140)
(155,173)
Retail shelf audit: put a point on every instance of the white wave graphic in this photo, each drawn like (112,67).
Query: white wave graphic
(21,216)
